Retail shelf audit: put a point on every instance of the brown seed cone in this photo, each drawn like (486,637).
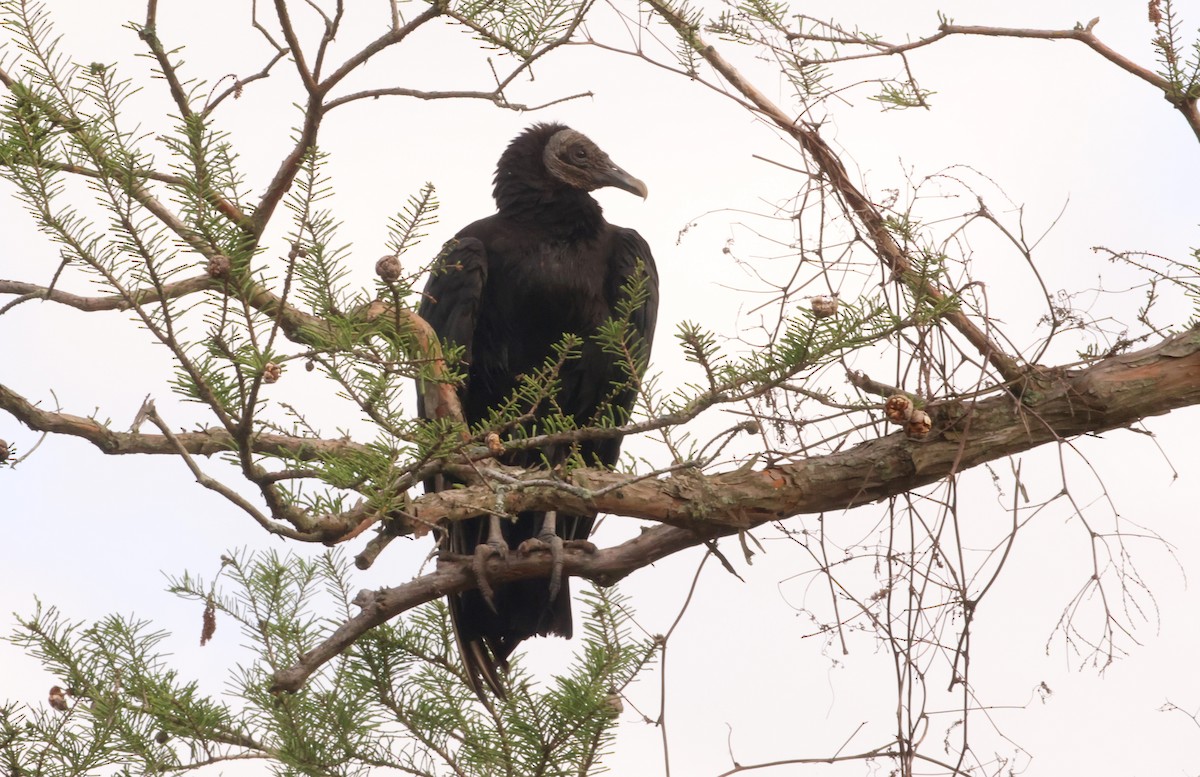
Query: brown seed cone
(613,704)
(388,268)
(919,424)
(898,408)
(218,266)
(824,307)
(58,699)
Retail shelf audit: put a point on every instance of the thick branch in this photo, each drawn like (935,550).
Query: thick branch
(296,324)
(1113,393)
(288,168)
(1110,394)
(289,34)
(1081,34)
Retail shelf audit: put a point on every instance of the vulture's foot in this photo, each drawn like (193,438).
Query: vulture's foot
(548,541)
(542,543)
(484,552)
(548,538)
(583,546)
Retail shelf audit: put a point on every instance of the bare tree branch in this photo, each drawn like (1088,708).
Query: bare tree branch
(105,302)
(205,442)
(389,38)
(859,204)
(227,208)
(496,97)
(149,33)
(1185,104)
(239,84)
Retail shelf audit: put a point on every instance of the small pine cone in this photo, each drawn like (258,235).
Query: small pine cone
(4,451)
(272,372)
(162,737)
(824,306)
(388,268)
(494,446)
(898,408)
(1156,16)
(918,426)
(613,704)
(58,699)
(218,266)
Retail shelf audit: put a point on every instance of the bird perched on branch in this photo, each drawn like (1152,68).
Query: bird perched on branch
(509,291)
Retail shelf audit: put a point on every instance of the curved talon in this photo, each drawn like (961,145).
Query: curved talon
(548,538)
(533,545)
(483,553)
(555,543)
(583,546)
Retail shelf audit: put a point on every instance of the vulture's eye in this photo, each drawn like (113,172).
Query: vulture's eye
(579,154)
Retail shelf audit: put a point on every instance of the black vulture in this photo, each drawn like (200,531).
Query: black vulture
(506,290)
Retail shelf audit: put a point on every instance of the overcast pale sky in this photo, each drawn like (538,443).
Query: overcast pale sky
(1065,136)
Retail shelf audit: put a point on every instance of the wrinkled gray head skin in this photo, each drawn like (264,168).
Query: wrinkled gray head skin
(578,162)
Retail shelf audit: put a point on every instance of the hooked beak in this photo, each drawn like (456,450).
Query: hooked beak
(615,176)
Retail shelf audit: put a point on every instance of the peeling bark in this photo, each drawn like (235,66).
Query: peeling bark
(1062,403)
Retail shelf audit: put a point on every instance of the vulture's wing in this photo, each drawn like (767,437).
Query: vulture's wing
(452,296)
(450,305)
(632,251)
(631,255)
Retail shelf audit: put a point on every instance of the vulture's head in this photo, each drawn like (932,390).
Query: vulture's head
(579,163)
(550,156)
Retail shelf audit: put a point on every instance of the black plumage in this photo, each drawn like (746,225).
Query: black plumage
(506,290)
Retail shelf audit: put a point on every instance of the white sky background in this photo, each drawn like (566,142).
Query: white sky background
(1051,123)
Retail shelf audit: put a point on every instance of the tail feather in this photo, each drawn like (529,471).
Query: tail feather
(486,637)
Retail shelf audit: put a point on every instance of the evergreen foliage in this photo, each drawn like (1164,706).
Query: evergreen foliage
(397,699)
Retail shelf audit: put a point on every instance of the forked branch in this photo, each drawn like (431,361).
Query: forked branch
(859,204)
